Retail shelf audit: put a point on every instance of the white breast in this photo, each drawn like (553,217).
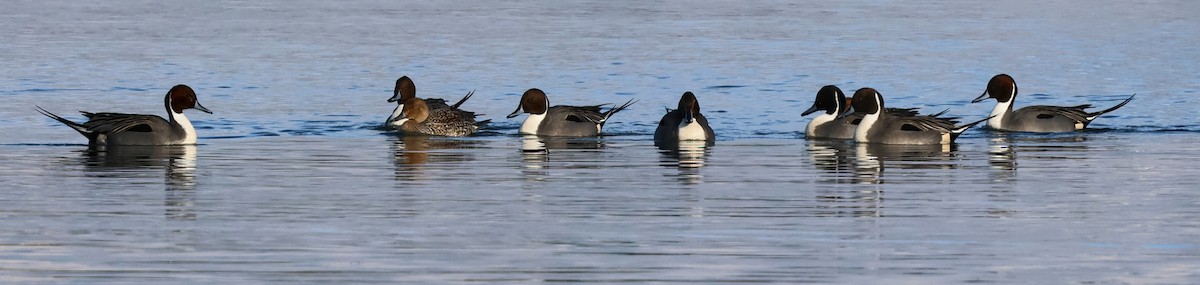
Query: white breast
(868,121)
(998,112)
(818,121)
(395,114)
(189,132)
(530,126)
(691,132)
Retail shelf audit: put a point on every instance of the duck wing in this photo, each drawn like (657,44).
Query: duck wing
(112,123)
(589,114)
(1044,112)
(926,123)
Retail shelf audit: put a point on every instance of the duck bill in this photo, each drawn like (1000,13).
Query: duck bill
(515,113)
(202,108)
(847,113)
(810,110)
(395,96)
(688,118)
(981,97)
(397,114)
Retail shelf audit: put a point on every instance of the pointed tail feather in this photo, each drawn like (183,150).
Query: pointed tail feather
(464,99)
(1092,116)
(943,112)
(76,126)
(966,126)
(614,110)
(480,124)
(959,130)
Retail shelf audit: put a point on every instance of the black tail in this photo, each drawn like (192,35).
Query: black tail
(76,126)
(616,109)
(1092,116)
(943,112)
(483,123)
(464,99)
(959,130)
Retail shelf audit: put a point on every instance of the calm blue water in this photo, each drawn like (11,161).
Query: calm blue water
(293,182)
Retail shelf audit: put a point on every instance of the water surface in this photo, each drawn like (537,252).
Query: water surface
(294,183)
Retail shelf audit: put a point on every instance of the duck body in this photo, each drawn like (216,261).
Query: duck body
(684,123)
(561,120)
(1038,118)
(834,121)
(877,126)
(119,129)
(439,118)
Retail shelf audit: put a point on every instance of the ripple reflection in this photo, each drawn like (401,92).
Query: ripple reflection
(178,161)
(687,156)
(412,155)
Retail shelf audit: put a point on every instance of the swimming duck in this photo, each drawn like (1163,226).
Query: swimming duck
(430,116)
(834,103)
(1040,118)
(685,123)
(878,126)
(561,121)
(116,129)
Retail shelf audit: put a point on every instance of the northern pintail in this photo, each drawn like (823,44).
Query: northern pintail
(114,129)
(1041,118)
(831,124)
(878,126)
(685,123)
(430,116)
(561,121)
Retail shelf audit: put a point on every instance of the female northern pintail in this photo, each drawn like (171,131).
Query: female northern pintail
(1040,118)
(430,116)
(878,126)
(833,102)
(563,121)
(114,129)
(685,123)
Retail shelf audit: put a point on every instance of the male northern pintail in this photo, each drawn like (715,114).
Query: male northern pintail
(115,129)
(685,123)
(833,102)
(430,116)
(563,121)
(1040,118)
(878,126)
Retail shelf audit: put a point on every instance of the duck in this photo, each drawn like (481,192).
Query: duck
(119,129)
(1039,118)
(561,121)
(877,126)
(685,123)
(431,116)
(834,103)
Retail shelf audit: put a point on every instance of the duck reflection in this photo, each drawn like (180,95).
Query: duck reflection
(413,154)
(538,151)
(1002,158)
(851,170)
(179,162)
(868,169)
(1004,146)
(860,167)
(687,156)
(534,157)
(857,201)
(872,159)
(565,143)
(1055,146)
(833,156)
(181,183)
